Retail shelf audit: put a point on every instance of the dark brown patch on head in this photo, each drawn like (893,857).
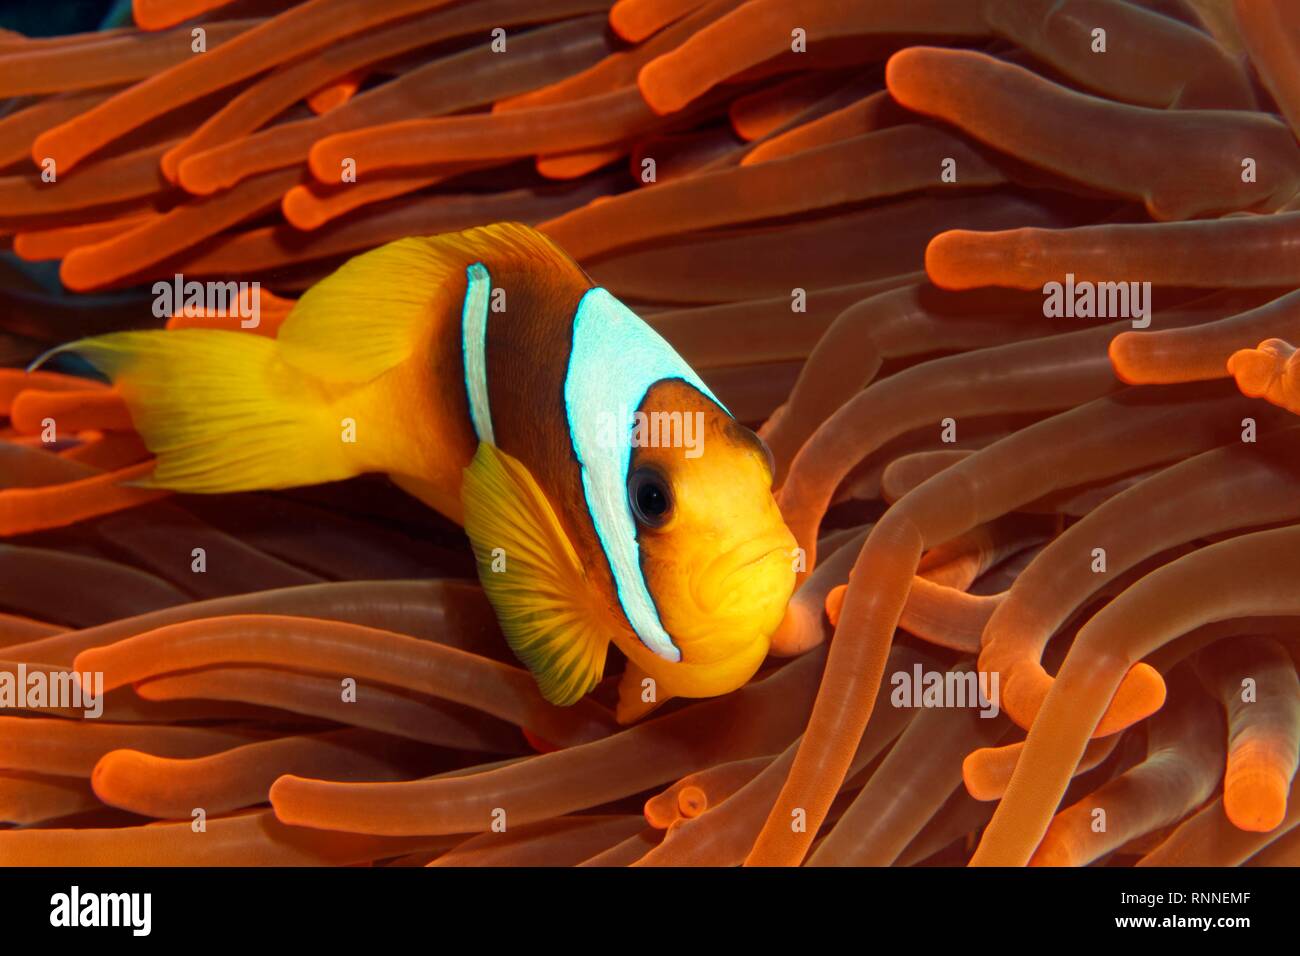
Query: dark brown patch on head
(528,346)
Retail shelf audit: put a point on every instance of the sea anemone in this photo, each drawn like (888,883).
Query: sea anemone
(853,219)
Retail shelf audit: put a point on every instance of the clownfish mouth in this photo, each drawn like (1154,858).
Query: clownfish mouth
(727,570)
(781,550)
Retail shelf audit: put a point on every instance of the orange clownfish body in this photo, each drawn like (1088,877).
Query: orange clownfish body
(608,494)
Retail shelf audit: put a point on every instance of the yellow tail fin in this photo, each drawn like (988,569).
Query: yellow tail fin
(221,410)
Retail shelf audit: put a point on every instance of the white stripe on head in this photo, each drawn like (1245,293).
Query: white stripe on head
(615,359)
(473,333)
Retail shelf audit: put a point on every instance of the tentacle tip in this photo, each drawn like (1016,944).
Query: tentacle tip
(835,603)
(281,794)
(655,82)
(299,207)
(1257,809)
(625,24)
(190,177)
(658,812)
(1140,694)
(976,777)
(942,258)
(692,801)
(1119,351)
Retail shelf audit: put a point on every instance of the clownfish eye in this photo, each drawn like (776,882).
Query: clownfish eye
(647,493)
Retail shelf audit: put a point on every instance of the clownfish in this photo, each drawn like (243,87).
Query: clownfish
(487,375)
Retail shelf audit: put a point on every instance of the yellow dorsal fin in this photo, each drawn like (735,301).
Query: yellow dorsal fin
(367,315)
(552,619)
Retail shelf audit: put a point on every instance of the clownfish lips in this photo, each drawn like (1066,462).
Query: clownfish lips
(745,564)
(732,582)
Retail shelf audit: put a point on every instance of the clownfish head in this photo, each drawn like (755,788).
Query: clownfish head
(714,552)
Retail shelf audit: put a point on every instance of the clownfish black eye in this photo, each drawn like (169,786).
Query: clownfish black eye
(649,497)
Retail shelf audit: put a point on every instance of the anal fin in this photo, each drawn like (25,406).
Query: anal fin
(636,698)
(430,493)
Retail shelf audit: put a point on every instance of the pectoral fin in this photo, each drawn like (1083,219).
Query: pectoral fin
(554,622)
